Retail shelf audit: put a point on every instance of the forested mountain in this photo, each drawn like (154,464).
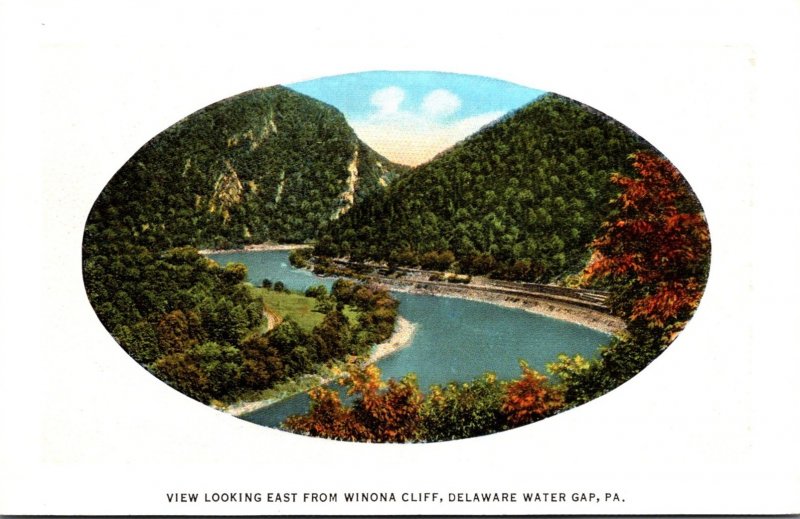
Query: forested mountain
(521,199)
(269,164)
(654,254)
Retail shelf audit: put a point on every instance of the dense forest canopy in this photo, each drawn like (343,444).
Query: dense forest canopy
(269,164)
(200,328)
(522,198)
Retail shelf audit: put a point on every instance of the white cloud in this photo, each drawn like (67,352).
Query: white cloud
(441,103)
(416,136)
(388,100)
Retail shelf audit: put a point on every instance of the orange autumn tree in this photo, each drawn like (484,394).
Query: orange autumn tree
(381,412)
(530,398)
(653,255)
(655,250)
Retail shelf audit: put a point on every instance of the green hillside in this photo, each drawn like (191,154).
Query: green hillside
(520,199)
(269,164)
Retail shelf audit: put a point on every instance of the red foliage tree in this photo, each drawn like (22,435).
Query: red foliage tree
(327,418)
(383,412)
(656,248)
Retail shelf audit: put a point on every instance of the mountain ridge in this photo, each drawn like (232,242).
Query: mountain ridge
(269,164)
(521,198)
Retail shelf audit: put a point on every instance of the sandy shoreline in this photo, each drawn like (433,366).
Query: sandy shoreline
(404,331)
(401,337)
(257,247)
(563,311)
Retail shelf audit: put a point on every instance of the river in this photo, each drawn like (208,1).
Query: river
(455,339)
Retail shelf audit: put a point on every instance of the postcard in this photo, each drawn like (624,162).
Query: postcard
(399,259)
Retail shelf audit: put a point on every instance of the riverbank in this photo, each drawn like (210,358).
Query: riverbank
(257,247)
(577,306)
(595,320)
(404,331)
(401,337)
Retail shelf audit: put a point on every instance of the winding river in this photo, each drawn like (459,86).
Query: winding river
(455,339)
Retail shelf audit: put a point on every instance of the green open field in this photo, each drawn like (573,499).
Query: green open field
(298,307)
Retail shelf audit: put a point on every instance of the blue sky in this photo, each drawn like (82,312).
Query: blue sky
(411,116)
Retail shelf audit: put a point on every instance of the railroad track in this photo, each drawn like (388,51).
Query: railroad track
(587,298)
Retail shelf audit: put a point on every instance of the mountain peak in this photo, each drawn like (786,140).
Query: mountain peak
(266,164)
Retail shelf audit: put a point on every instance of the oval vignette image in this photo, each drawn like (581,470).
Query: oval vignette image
(396,256)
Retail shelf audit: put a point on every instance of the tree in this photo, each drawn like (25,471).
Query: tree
(343,289)
(381,412)
(182,373)
(177,331)
(205,371)
(287,336)
(327,418)
(262,365)
(387,412)
(332,337)
(316,291)
(140,341)
(233,273)
(530,398)
(463,410)
(220,363)
(653,255)
(656,249)
(325,304)
(577,378)
(325,246)
(300,257)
